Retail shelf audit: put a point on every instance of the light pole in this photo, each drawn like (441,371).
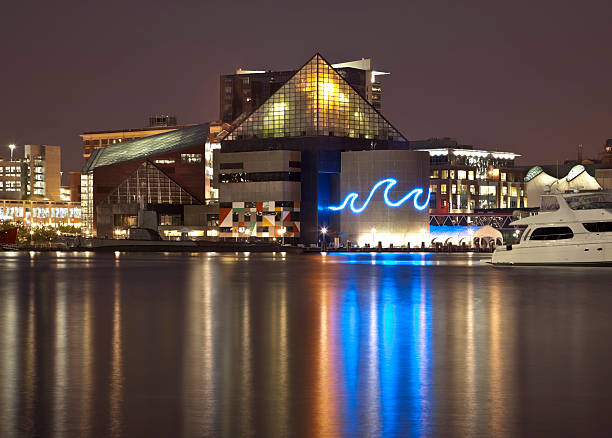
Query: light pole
(282,231)
(12,148)
(323,242)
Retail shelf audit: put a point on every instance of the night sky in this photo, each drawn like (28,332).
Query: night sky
(533,77)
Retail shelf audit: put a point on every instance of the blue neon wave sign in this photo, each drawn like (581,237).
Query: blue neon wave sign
(415,194)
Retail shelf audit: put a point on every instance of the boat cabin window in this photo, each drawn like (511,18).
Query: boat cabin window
(549,203)
(552,233)
(598,227)
(590,201)
(527,233)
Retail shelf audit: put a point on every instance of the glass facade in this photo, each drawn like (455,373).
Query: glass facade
(149,186)
(87,201)
(316,101)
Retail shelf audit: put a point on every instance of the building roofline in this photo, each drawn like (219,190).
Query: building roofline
(234,127)
(151,128)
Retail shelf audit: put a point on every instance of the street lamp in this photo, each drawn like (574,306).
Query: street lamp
(323,242)
(282,232)
(12,148)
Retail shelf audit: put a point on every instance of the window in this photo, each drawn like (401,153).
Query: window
(86,142)
(451,174)
(443,189)
(435,174)
(191,158)
(445,174)
(453,189)
(164,161)
(548,203)
(170,219)
(598,227)
(231,165)
(296,164)
(552,233)
(259,177)
(96,142)
(472,189)
(590,202)
(461,174)
(503,176)
(104,141)
(487,190)
(471,175)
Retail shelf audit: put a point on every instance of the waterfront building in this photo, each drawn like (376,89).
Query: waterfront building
(156,181)
(36,175)
(538,181)
(93,140)
(40,212)
(241,93)
(280,169)
(464,180)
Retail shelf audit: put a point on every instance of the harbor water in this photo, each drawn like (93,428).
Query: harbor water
(275,345)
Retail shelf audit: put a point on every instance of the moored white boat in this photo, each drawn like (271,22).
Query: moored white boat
(570,229)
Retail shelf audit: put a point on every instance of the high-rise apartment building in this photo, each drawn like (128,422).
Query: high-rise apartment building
(241,93)
(35,176)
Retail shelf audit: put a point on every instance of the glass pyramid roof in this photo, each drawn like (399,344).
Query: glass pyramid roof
(316,101)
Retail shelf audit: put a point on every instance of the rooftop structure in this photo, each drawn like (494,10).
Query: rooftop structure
(316,101)
(246,90)
(539,182)
(93,140)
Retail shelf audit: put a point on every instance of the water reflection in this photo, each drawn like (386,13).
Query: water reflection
(284,345)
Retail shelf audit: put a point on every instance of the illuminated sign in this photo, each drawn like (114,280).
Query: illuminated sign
(390,182)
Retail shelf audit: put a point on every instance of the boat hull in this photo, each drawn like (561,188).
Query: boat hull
(553,253)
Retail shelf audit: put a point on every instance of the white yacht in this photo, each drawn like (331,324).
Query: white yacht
(569,229)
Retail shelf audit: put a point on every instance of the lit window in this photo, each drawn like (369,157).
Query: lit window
(191,158)
(461,174)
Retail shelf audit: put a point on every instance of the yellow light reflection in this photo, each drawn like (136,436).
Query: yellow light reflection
(116,378)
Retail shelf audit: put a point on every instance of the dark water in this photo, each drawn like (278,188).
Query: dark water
(273,345)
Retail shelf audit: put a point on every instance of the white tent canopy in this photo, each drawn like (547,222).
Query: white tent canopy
(487,235)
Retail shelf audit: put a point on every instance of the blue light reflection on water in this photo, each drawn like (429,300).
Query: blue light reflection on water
(386,345)
(383,258)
